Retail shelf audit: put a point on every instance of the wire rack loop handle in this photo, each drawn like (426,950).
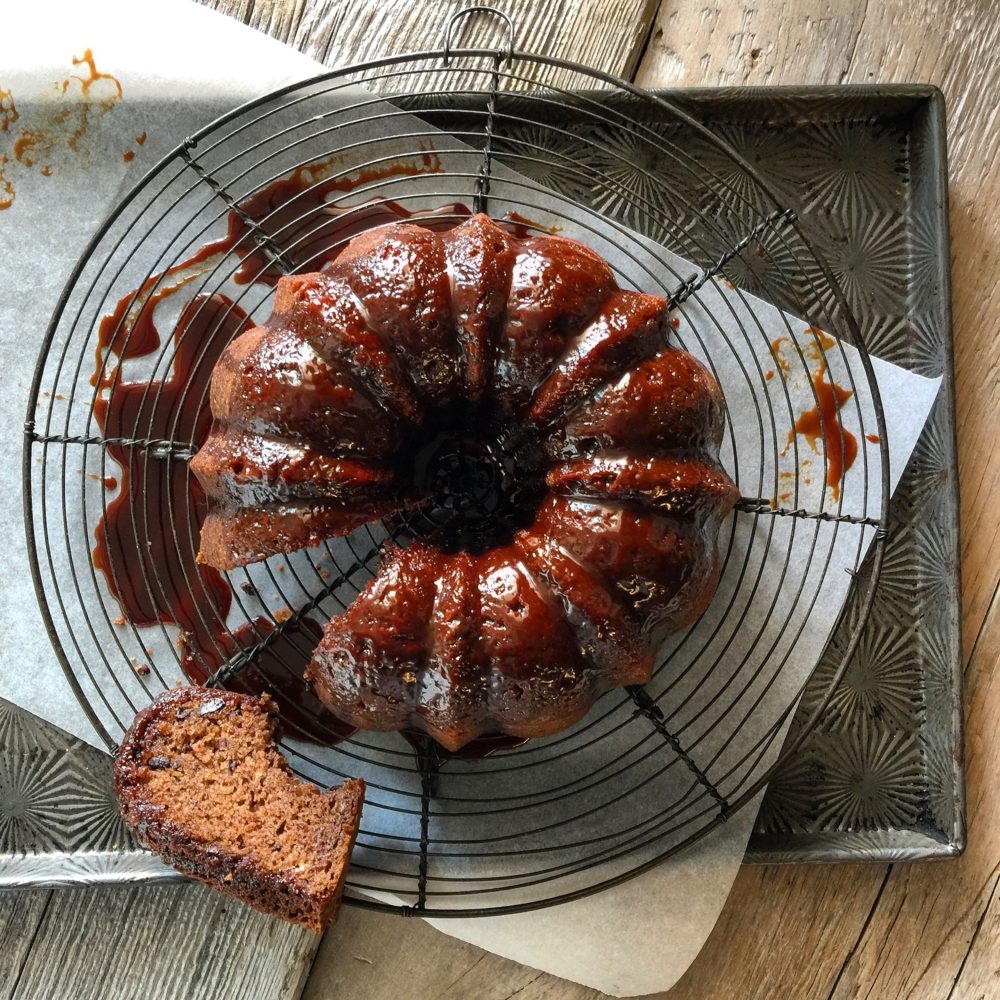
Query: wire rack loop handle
(504,55)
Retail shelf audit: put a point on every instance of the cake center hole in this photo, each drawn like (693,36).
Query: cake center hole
(481,485)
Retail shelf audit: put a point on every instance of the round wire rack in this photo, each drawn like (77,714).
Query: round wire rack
(189,257)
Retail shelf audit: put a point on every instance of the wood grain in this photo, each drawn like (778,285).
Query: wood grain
(171,942)
(609,34)
(354,962)
(20,916)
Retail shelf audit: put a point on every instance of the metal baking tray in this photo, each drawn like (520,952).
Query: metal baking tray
(880,779)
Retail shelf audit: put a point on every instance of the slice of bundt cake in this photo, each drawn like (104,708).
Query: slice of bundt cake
(201,782)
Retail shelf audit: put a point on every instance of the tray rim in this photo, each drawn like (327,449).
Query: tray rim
(23,870)
(932,101)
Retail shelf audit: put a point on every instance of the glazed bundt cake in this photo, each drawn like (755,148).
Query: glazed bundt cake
(554,459)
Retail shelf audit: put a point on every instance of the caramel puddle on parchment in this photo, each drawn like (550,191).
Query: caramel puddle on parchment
(55,132)
(822,421)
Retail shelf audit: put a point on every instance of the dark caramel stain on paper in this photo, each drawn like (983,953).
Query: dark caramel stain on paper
(129,331)
(27,143)
(821,343)
(779,357)
(814,350)
(822,423)
(101,101)
(129,155)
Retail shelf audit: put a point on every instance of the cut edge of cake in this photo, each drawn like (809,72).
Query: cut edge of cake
(192,742)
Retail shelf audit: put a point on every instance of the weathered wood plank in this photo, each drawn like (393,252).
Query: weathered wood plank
(751,44)
(20,915)
(354,962)
(170,942)
(926,923)
(609,34)
(979,974)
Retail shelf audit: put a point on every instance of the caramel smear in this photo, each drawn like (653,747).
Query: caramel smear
(55,133)
(8,113)
(821,342)
(812,350)
(776,352)
(6,186)
(822,423)
(129,155)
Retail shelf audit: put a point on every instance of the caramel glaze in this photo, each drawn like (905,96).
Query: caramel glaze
(523,637)
(277,670)
(409,332)
(295,213)
(129,331)
(144,540)
(666,404)
(822,422)
(149,561)
(335,412)
(528,342)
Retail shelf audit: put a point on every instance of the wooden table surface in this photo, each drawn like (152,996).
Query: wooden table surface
(797,933)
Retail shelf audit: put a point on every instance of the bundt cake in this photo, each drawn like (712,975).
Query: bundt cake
(554,459)
(199,779)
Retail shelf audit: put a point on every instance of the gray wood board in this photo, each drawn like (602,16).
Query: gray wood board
(178,941)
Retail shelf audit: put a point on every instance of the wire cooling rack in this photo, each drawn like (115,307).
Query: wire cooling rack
(525,825)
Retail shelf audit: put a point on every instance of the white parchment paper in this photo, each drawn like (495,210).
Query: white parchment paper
(196,65)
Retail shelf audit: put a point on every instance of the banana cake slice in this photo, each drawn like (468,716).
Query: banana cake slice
(201,781)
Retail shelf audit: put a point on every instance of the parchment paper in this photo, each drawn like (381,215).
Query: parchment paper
(641,936)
